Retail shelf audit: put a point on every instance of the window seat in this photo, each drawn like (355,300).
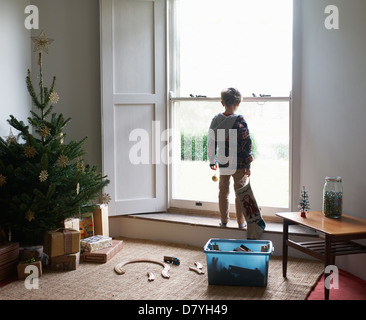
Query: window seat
(213,222)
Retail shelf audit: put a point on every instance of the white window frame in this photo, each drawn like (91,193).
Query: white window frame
(172,71)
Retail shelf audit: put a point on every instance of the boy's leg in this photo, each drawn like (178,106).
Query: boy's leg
(240,181)
(224,189)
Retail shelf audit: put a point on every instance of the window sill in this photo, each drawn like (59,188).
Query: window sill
(213,222)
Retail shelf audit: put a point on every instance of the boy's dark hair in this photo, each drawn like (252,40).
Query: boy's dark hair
(230,97)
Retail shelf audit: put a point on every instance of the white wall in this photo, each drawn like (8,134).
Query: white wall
(74,59)
(330,102)
(14,62)
(330,92)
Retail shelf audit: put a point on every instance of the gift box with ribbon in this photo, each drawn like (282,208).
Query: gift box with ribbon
(72,223)
(23,272)
(66,262)
(95,243)
(61,241)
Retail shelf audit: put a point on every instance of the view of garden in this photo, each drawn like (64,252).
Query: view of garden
(269,128)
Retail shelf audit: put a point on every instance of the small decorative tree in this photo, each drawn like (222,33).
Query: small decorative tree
(43,180)
(304,202)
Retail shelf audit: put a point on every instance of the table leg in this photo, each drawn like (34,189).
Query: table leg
(328,261)
(284,247)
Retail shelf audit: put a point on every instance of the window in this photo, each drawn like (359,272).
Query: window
(231,43)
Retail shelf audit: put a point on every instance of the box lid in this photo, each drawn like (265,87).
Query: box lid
(228,246)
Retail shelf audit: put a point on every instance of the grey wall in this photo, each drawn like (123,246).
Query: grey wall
(74,59)
(330,100)
(14,62)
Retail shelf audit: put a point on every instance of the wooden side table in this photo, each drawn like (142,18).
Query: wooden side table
(338,235)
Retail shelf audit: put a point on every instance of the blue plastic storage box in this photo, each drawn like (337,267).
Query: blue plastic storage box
(237,268)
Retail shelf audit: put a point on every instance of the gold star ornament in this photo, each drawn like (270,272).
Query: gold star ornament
(30,151)
(45,132)
(41,42)
(43,176)
(105,198)
(2,180)
(11,138)
(29,215)
(62,161)
(54,97)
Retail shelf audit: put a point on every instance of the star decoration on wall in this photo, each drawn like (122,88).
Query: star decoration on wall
(41,42)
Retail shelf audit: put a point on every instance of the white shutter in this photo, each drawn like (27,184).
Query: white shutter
(133,55)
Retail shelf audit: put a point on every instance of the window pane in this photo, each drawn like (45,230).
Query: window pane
(269,129)
(234,43)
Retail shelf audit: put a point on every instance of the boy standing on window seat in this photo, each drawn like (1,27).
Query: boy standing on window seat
(229,146)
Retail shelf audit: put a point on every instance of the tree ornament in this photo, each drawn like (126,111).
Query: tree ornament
(78,188)
(45,132)
(61,135)
(41,42)
(62,161)
(29,151)
(43,176)
(29,215)
(54,97)
(105,198)
(2,180)
(80,166)
(11,138)
(304,202)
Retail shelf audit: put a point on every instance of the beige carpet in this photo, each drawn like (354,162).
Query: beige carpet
(100,281)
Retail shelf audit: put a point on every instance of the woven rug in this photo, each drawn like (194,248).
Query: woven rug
(93,281)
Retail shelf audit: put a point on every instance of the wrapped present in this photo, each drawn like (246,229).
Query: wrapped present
(101,222)
(103,255)
(9,258)
(66,262)
(61,241)
(95,243)
(26,253)
(86,225)
(23,272)
(72,223)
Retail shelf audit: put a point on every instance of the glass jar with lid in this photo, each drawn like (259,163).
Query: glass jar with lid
(333,197)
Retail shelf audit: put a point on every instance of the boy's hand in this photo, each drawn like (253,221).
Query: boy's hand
(213,166)
(247,172)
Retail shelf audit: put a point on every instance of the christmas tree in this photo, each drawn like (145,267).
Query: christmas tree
(43,180)
(304,202)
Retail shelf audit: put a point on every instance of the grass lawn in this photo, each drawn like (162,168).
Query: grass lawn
(269,180)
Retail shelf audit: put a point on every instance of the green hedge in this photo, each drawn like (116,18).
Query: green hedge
(189,142)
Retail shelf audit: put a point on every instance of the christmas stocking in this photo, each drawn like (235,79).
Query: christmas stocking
(252,214)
